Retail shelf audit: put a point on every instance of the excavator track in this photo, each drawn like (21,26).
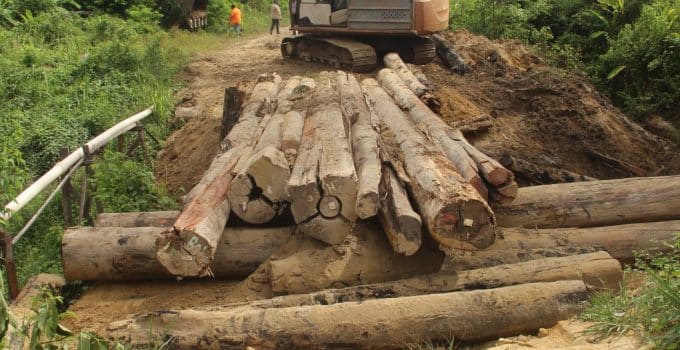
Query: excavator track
(341,53)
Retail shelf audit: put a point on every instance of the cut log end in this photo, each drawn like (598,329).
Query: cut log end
(468,226)
(247,202)
(329,207)
(330,231)
(404,233)
(367,205)
(184,254)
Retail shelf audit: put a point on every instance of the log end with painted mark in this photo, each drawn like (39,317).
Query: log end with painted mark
(184,254)
(467,226)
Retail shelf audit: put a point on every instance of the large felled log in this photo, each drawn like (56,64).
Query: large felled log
(336,173)
(123,254)
(467,316)
(257,193)
(394,62)
(594,203)
(401,223)
(494,173)
(518,244)
(188,248)
(151,218)
(430,124)
(598,270)
(451,208)
(291,134)
(365,256)
(364,144)
(446,52)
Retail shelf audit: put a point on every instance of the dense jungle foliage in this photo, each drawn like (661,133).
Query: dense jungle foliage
(630,48)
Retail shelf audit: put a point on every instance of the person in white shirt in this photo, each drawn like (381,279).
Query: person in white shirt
(276,17)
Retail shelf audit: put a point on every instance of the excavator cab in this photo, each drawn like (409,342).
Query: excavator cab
(354,34)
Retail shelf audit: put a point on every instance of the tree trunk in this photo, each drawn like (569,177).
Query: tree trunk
(494,173)
(597,270)
(257,193)
(124,254)
(401,223)
(384,323)
(431,125)
(594,203)
(364,144)
(291,133)
(394,62)
(451,208)
(306,265)
(162,219)
(446,52)
(516,245)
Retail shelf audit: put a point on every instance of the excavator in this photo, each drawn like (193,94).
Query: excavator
(354,34)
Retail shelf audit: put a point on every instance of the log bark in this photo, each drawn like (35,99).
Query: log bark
(125,254)
(365,256)
(394,62)
(152,218)
(291,134)
(336,173)
(621,241)
(594,203)
(258,191)
(401,223)
(453,211)
(597,270)
(492,171)
(364,144)
(466,316)
(446,52)
(261,101)
(430,124)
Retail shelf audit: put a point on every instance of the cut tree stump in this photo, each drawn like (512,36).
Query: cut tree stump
(364,144)
(453,211)
(597,270)
(432,126)
(258,191)
(446,52)
(125,254)
(518,244)
(594,203)
(162,219)
(365,256)
(401,223)
(466,316)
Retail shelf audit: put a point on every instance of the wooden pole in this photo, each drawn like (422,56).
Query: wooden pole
(10,266)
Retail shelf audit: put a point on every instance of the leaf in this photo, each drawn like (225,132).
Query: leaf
(598,34)
(63,331)
(616,72)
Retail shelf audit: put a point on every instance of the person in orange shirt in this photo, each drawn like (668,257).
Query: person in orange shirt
(235,19)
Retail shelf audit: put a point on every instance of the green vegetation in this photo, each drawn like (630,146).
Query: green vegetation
(630,48)
(653,312)
(66,77)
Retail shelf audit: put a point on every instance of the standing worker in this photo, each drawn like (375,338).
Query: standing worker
(276,17)
(293,7)
(235,19)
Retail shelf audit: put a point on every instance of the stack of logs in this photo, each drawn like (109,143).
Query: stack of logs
(331,153)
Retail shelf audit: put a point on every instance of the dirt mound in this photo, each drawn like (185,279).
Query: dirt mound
(548,117)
